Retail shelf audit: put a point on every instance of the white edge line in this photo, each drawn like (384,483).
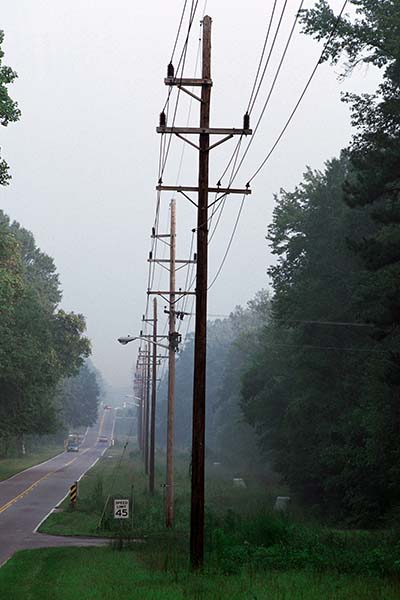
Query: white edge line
(63,498)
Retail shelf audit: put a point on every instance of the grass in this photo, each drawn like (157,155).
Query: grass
(11,466)
(241,532)
(251,552)
(122,476)
(106,574)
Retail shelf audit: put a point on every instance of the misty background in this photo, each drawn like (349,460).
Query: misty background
(84,156)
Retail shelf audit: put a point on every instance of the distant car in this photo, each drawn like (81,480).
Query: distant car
(103,439)
(72,447)
(107,407)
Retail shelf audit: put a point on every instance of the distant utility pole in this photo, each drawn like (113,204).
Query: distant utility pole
(137,391)
(174,337)
(144,357)
(153,400)
(171,373)
(147,414)
(199,385)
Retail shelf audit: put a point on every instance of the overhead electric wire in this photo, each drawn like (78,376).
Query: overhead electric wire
(283,130)
(252,101)
(251,105)
(165,147)
(261,57)
(253,96)
(320,60)
(183,60)
(178,32)
(229,243)
(261,115)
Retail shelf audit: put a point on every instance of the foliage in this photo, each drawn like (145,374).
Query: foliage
(40,344)
(316,390)
(79,397)
(9,110)
(228,437)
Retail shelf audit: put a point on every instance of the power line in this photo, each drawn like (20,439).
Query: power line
(320,60)
(251,106)
(283,130)
(179,30)
(261,57)
(271,89)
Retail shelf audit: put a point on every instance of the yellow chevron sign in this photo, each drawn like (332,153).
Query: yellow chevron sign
(73,492)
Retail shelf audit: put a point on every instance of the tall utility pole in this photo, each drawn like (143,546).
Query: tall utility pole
(200,340)
(153,399)
(172,296)
(199,386)
(171,374)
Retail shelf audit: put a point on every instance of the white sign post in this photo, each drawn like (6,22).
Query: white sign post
(121,509)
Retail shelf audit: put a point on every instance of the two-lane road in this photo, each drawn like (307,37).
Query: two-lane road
(28,497)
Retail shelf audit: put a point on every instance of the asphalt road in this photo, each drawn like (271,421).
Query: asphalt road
(28,497)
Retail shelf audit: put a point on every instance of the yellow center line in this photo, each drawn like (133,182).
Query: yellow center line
(36,483)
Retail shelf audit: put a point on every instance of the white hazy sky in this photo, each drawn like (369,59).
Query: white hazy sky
(84,155)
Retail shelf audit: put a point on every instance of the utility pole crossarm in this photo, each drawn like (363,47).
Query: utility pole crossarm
(208,130)
(169,293)
(187,81)
(210,190)
(166,260)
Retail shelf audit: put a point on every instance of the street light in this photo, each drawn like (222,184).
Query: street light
(127,339)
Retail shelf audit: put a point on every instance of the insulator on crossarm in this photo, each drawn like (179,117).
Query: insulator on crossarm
(246,121)
(163,119)
(150,255)
(170,71)
(153,231)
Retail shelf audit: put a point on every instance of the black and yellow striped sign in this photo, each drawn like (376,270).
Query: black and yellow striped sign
(73,492)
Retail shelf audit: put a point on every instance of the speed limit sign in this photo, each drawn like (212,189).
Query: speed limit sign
(121,509)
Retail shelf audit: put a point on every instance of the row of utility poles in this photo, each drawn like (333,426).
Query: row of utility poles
(148,359)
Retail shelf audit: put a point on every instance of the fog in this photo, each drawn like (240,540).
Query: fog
(84,156)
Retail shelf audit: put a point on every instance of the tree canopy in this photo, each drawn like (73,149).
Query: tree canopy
(9,110)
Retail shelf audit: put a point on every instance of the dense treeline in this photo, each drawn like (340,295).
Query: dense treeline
(324,392)
(41,345)
(315,371)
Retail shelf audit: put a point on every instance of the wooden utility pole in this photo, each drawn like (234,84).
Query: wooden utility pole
(199,376)
(147,411)
(138,393)
(153,399)
(199,384)
(172,296)
(171,374)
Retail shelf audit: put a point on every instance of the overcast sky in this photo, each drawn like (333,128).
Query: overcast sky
(84,156)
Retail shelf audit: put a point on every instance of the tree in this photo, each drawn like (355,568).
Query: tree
(9,110)
(39,343)
(313,389)
(79,398)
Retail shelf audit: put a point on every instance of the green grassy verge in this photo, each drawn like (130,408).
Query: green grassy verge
(241,533)
(11,466)
(106,574)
